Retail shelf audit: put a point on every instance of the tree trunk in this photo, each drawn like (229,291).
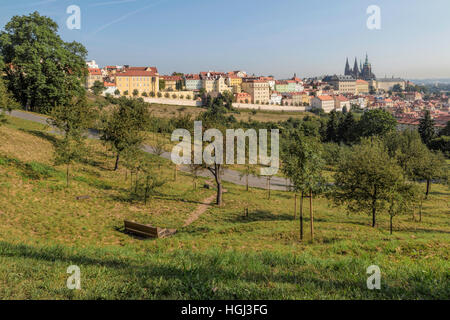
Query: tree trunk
(301,217)
(295,206)
(136,182)
(176,172)
(116,166)
(374,208)
(311,214)
(428,188)
(67,175)
(420,212)
(246,177)
(146,191)
(390,220)
(268,188)
(219,194)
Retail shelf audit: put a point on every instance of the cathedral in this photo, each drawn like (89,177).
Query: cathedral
(363,72)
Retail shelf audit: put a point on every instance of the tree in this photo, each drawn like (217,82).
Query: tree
(248,170)
(98,87)
(376,122)
(7,102)
(117,92)
(426,128)
(125,93)
(402,199)
(162,84)
(431,166)
(347,129)
(43,71)
(124,127)
(135,92)
(303,164)
(72,121)
(365,177)
(332,128)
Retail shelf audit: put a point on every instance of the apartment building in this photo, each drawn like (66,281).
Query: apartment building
(257,89)
(325,103)
(171,82)
(192,82)
(342,84)
(362,86)
(94,74)
(140,80)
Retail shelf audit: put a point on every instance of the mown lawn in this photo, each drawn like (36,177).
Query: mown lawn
(223,255)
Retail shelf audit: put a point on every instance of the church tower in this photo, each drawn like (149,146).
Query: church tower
(348,71)
(356,70)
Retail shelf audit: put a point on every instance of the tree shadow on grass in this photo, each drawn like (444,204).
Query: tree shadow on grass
(43,135)
(192,275)
(259,215)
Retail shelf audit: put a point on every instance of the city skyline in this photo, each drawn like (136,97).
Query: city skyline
(271,39)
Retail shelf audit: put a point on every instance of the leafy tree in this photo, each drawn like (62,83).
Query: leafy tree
(430,167)
(426,128)
(446,130)
(135,92)
(162,84)
(72,121)
(124,127)
(42,70)
(402,199)
(98,88)
(347,129)
(125,93)
(117,92)
(442,144)
(376,122)
(303,165)
(332,128)
(7,102)
(365,177)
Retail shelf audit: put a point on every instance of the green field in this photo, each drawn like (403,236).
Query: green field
(222,255)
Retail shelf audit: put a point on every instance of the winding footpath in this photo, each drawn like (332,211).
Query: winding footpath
(232,176)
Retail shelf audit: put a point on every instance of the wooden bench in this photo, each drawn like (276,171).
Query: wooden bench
(83,197)
(147,231)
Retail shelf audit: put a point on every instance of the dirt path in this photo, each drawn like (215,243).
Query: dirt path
(201,209)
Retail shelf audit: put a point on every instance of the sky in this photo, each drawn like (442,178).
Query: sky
(277,37)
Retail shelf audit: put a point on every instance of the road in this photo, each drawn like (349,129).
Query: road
(232,176)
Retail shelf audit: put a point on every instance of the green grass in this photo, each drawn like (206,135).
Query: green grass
(222,255)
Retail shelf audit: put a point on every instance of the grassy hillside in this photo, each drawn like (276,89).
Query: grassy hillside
(222,255)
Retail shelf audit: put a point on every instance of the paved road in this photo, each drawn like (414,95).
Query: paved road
(232,176)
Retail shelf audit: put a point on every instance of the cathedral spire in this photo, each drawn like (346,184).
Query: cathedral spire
(356,69)
(347,68)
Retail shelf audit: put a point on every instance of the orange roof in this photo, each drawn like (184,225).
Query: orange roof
(172,78)
(95,72)
(136,73)
(361,81)
(325,98)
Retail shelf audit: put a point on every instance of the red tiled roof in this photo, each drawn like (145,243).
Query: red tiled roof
(324,98)
(135,73)
(95,72)
(171,78)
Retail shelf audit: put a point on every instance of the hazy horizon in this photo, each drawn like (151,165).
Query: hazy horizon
(261,37)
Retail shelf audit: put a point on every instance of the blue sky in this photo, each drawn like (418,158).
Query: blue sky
(277,37)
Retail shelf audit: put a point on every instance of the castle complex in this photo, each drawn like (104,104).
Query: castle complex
(363,72)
